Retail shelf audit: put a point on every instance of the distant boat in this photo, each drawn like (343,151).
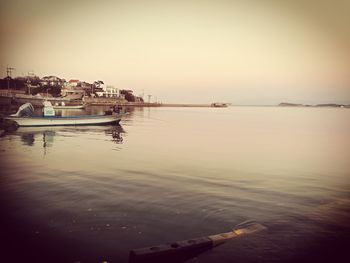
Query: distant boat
(219,105)
(25,118)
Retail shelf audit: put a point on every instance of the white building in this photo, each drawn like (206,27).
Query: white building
(107,91)
(73,82)
(111,91)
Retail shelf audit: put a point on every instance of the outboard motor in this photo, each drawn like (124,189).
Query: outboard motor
(25,110)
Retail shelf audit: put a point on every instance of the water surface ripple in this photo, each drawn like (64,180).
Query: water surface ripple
(91,194)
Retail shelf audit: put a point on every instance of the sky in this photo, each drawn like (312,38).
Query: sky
(243,52)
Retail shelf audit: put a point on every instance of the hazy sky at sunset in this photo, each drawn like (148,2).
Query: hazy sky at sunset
(244,52)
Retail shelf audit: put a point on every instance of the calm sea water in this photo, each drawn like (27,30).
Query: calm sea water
(91,194)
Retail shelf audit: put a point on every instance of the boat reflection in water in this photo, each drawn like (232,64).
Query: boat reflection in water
(116,134)
(28,139)
(32,136)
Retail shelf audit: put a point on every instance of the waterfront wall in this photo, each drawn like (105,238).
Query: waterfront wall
(184,105)
(114,101)
(103,100)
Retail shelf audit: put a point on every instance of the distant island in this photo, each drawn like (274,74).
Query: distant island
(334,105)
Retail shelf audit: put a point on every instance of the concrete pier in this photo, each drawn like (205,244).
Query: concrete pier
(121,102)
(184,105)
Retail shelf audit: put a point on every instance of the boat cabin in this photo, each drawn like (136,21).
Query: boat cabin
(48,110)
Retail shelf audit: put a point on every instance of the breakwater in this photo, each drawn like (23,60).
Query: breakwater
(101,101)
(185,105)
(122,102)
(104,101)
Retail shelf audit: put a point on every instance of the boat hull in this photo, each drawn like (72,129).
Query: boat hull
(65,121)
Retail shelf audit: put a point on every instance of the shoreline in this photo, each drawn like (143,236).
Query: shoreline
(7,101)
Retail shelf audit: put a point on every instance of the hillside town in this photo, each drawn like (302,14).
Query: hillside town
(35,90)
(53,86)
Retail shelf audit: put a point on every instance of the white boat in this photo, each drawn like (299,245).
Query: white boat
(69,107)
(25,118)
(63,106)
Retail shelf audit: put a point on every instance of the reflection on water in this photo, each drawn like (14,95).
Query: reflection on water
(48,138)
(116,134)
(45,135)
(28,136)
(28,139)
(93,193)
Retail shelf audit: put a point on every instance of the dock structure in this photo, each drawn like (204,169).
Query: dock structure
(111,101)
(185,105)
(105,101)
(151,104)
(154,104)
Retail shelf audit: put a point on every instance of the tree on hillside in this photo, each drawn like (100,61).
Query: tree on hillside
(55,90)
(128,95)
